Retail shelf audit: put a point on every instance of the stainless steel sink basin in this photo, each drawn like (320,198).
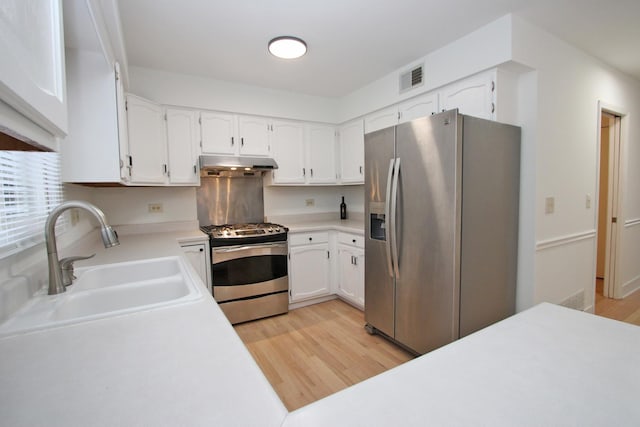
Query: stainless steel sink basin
(106,291)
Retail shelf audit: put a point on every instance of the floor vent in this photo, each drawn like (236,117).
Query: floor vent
(411,79)
(575,301)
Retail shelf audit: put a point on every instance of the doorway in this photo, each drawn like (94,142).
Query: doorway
(607,233)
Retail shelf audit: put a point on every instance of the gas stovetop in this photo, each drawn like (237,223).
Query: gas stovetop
(245,233)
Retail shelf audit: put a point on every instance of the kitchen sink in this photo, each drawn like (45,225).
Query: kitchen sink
(106,291)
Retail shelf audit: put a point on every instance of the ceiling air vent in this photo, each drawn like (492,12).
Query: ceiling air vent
(412,78)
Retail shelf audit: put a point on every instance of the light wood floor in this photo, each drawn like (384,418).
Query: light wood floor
(625,310)
(317,350)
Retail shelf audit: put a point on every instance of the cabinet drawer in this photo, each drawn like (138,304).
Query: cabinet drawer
(297,239)
(351,239)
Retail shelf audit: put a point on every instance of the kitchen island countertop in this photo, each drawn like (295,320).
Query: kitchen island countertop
(179,365)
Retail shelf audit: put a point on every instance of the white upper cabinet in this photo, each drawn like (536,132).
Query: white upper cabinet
(381,119)
(254,135)
(32,73)
(321,154)
(474,96)
(91,152)
(234,134)
(287,146)
(420,106)
(413,108)
(147,141)
(351,142)
(218,133)
(163,144)
(183,136)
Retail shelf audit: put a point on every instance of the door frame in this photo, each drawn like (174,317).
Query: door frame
(612,283)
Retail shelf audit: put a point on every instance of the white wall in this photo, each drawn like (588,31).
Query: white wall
(130,205)
(482,49)
(292,200)
(198,92)
(569,85)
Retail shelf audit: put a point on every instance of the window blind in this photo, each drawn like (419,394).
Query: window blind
(30,188)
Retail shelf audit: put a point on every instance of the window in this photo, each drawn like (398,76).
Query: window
(30,188)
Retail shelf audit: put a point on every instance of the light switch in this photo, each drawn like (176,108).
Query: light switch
(549,205)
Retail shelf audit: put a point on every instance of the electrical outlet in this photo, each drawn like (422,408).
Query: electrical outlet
(155,207)
(75,216)
(587,201)
(549,205)
(310,202)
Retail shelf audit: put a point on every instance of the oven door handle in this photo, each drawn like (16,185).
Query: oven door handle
(234,252)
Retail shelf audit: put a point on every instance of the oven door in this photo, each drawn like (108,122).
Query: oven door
(248,271)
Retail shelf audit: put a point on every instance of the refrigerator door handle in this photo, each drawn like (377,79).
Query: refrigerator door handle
(394,219)
(387,210)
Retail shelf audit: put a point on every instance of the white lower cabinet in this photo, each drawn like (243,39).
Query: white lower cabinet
(309,265)
(314,272)
(350,268)
(198,256)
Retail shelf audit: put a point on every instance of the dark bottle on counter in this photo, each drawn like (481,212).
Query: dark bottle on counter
(343,209)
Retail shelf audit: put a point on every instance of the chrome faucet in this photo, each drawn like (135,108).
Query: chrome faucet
(109,238)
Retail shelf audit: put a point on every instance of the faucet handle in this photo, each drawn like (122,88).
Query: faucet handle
(66,265)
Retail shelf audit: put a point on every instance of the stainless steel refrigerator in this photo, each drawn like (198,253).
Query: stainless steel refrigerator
(441,225)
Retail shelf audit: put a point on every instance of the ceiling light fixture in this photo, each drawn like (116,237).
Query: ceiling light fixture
(287,47)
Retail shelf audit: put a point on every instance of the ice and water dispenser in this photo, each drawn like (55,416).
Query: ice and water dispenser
(377,222)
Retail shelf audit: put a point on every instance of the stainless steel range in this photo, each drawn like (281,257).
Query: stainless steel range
(249,269)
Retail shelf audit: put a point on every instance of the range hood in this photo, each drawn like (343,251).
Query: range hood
(236,163)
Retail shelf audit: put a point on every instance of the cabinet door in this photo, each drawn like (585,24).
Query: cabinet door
(420,106)
(121,115)
(218,133)
(32,74)
(381,119)
(182,143)
(287,147)
(351,140)
(473,96)
(254,135)
(147,144)
(351,274)
(198,258)
(309,271)
(321,154)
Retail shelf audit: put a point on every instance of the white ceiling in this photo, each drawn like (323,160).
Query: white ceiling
(351,42)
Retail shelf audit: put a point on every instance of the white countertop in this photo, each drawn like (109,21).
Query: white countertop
(182,365)
(303,224)
(185,365)
(547,366)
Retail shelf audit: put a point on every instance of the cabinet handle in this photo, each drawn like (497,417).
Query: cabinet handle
(232,142)
(201,249)
(354,240)
(311,172)
(304,172)
(360,170)
(493,107)
(310,238)
(242,142)
(164,167)
(355,260)
(195,170)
